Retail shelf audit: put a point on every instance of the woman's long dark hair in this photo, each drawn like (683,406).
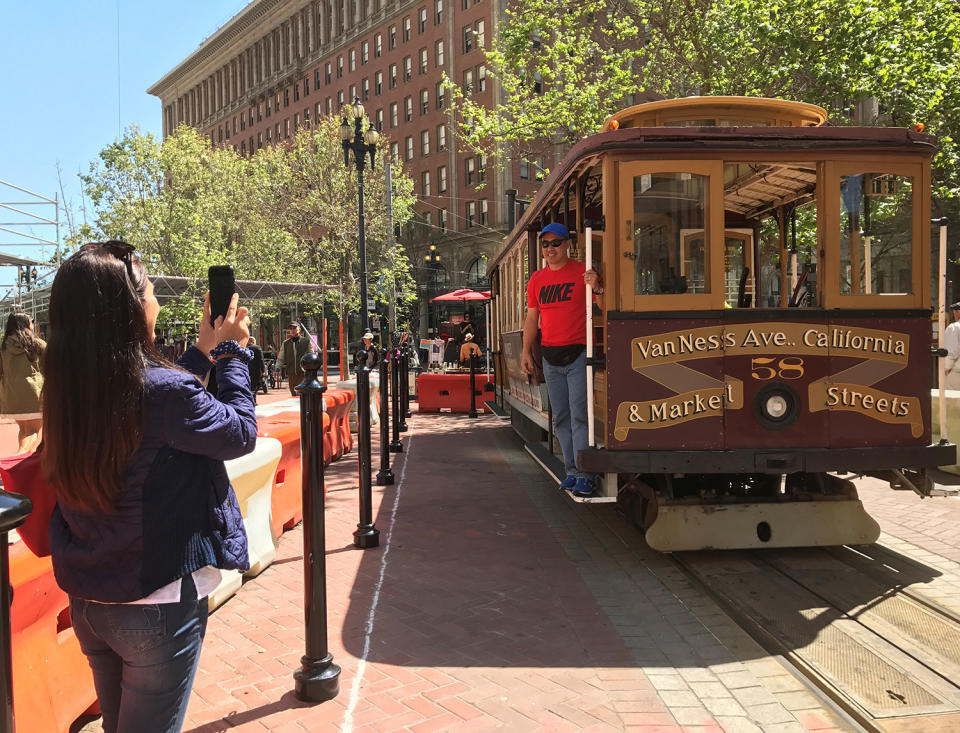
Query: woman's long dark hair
(19,332)
(93,374)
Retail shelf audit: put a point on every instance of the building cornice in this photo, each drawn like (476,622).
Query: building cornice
(235,28)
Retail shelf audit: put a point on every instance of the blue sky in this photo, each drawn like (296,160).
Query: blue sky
(63,96)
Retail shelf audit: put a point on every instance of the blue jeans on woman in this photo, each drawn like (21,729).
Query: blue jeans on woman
(567,388)
(143,658)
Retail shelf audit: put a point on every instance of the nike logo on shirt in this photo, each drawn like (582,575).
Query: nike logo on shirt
(558,293)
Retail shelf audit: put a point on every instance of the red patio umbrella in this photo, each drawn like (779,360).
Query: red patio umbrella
(459,294)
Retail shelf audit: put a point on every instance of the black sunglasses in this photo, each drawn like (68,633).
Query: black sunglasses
(121,250)
(552,242)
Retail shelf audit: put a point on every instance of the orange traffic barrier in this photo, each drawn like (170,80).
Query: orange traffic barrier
(436,392)
(286,502)
(52,682)
(339,402)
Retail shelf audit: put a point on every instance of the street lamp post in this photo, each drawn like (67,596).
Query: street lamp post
(362,144)
(432,262)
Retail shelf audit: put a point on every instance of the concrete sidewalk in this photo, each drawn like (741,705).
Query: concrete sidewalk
(492,602)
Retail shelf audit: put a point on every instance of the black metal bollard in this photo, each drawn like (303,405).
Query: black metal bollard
(395,445)
(385,476)
(13,510)
(366,535)
(473,385)
(405,378)
(401,413)
(318,678)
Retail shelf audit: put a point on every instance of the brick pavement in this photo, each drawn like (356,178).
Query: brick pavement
(505,605)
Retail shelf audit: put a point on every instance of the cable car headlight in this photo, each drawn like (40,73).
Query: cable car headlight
(776,406)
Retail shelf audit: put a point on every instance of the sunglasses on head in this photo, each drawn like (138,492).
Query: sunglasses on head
(552,242)
(121,250)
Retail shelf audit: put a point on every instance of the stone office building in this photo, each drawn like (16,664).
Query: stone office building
(279,64)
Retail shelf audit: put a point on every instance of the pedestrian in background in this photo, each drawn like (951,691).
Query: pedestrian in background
(256,368)
(134,449)
(466,327)
(293,349)
(951,342)
(20,378)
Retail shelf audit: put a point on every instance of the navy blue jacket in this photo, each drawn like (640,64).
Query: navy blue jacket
(177,511)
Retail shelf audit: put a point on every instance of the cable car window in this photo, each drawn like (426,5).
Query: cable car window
(669,245)
(876,240)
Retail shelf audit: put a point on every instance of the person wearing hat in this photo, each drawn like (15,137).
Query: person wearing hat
(372,354)
(468,349)
(293,349)
(555,302)
(951,342)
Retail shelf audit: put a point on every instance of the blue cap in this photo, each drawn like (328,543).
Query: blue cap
(556,228)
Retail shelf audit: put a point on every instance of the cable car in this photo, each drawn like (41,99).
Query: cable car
(765,331)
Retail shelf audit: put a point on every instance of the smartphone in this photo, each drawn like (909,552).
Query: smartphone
(222,288)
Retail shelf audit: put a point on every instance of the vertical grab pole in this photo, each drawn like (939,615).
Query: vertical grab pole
(14,509)
(489,336)
(941,325)
(588,251)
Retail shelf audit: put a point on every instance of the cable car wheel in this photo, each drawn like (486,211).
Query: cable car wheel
(638,501)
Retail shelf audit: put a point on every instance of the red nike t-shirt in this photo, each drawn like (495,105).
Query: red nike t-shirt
(560,297)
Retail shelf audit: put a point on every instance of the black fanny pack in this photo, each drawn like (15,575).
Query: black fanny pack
(562,355)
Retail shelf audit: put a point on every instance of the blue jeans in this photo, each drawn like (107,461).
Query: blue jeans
(567,388)
(143,658)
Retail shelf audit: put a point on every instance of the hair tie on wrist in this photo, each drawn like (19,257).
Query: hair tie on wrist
(231,348)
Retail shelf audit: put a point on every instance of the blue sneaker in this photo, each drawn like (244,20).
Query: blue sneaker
(568,482)
(583,487)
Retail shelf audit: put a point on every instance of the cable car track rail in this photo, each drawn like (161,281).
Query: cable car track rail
(847,621)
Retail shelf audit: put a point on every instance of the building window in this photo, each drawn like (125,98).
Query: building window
(422,20)
(277,131)
(243,147)
(259,140)
(393,76)
(327,72)
(353,92)
(316,79)
(408,109)
(481,78)
(353,59)
(296,121)
(425,183)
(393,37)
(441,137)
(424,101)
(439,51)
(524,170)
(409,145)
(466,4)
(443,220)
(470,168)
(377,45)
(479,33)
(366,90)
(471,214)
(442,179)
(407,68)
(425,143)
(467,39)
(296,95)
(423,61)
(394,118)
(269,135)
(378,83)
(406,29)
(468,81)
(482,168)
(306,116)
(438,12)
(483,212)
(365,52)
(379,119)
(328,106)
(340,99)
(440,95)
(395,151)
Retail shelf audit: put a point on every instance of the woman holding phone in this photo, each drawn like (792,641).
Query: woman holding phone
(134,448)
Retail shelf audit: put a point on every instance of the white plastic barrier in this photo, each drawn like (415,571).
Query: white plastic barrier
(351,384)
(952,398)
(252,479)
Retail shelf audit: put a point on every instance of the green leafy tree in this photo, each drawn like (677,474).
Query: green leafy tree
(564,67)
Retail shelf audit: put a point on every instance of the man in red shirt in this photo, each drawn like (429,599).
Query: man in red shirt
(556,297)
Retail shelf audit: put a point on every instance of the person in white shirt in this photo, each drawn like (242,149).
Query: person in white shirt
(951,342)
